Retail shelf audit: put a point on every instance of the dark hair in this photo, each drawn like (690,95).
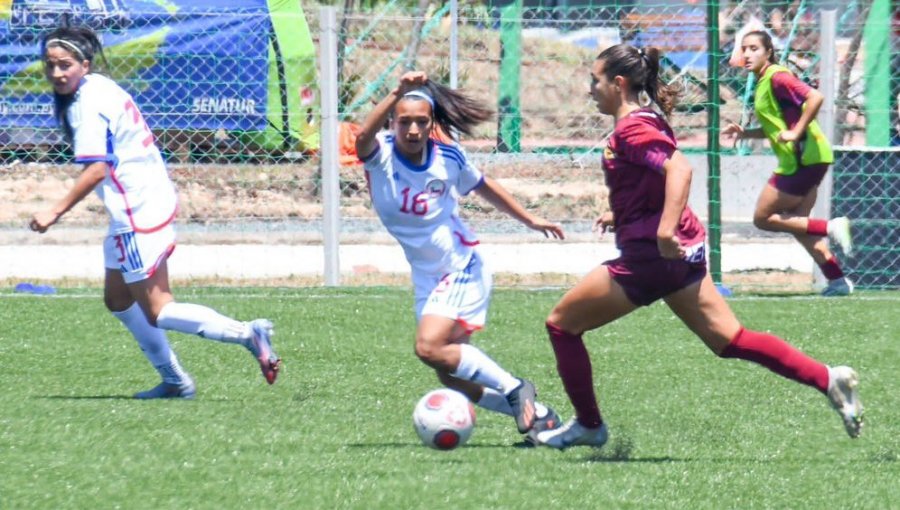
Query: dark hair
(455,111)
(641,68)
(766,42)
(82,42)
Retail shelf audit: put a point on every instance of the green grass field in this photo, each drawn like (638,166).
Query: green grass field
(688,430)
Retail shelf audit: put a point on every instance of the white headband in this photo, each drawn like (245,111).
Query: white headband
(420,94)
(68,45)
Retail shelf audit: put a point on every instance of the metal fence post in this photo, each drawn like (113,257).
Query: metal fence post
(331,193)
(827,81)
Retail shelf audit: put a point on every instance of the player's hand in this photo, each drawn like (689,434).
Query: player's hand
(604,224)
(412,80)
(788,135)
(670,247)
(548,228)
(733,130)
(41,221)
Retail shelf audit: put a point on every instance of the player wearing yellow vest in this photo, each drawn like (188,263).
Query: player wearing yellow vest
(786,108)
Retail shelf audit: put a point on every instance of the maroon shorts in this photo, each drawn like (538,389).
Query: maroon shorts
(804,180)
(645,281)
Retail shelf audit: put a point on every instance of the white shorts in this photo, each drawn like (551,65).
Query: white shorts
(137,256)
(463,296)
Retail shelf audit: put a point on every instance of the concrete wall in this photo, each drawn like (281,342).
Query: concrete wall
(742,179)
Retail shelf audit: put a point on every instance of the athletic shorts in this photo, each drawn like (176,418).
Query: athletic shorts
(137,256)
(463,296)
(801,182)
(645,281)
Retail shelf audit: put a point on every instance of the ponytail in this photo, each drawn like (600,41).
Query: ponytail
(453,110)
(641,68)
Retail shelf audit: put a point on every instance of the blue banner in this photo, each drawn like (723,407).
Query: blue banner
(190,64)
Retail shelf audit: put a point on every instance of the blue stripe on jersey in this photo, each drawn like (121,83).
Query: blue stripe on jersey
(452,152)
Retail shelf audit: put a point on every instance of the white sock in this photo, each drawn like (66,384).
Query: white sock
(153,343)
(493,400)
(477,367)
(203,321)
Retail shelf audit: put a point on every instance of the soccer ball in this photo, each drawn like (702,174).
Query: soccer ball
(444,419)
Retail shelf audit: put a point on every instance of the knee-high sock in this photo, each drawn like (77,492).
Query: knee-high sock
(153,343)
(203,321)
(478,367)
(778,356)
(573,363)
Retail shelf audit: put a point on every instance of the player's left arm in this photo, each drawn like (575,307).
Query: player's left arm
(90,177)
(678,172)
(497,196)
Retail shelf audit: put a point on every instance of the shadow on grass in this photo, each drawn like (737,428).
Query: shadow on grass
(129,397)
(85,397)
(416,444)
(621,451)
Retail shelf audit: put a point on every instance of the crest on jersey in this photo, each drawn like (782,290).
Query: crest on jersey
(608,153)
(436,187)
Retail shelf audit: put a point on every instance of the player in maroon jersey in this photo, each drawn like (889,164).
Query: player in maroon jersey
(662,256)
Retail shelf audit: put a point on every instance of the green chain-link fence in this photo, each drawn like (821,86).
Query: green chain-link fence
(245,153)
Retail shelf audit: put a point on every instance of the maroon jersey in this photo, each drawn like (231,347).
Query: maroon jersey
(633,163)
(790,92)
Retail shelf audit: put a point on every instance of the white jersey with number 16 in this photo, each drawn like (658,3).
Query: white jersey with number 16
(418,204)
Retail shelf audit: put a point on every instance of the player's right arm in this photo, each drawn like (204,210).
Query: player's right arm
(366,143)
(93,174)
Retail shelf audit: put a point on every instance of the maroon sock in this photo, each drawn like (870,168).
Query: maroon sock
(778,356)
(831,269)
(817,227)
(574,367)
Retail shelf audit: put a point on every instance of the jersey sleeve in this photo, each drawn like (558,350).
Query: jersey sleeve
(470,177)
(91,131)
(382,153)
(643,144)
(789,88)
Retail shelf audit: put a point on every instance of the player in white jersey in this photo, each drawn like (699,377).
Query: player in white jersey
(415,182)
(121,162)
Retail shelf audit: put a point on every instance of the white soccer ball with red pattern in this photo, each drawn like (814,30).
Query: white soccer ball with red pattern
(444,419)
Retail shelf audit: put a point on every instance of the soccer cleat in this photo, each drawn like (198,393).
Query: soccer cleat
(521,400)
(838,287)
(185,390)
(839,232)
(260,346)
(549,421)
(844,397)
(573,434)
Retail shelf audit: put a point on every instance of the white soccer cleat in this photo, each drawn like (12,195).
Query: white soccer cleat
(573,434)
(844,397)
(260,346)
(838,287)
(839,232)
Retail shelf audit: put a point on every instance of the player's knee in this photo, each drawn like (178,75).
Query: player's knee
(555,319)
(428,352)
(762,221)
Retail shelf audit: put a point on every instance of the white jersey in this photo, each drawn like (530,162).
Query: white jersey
(109,127)
(419,204)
